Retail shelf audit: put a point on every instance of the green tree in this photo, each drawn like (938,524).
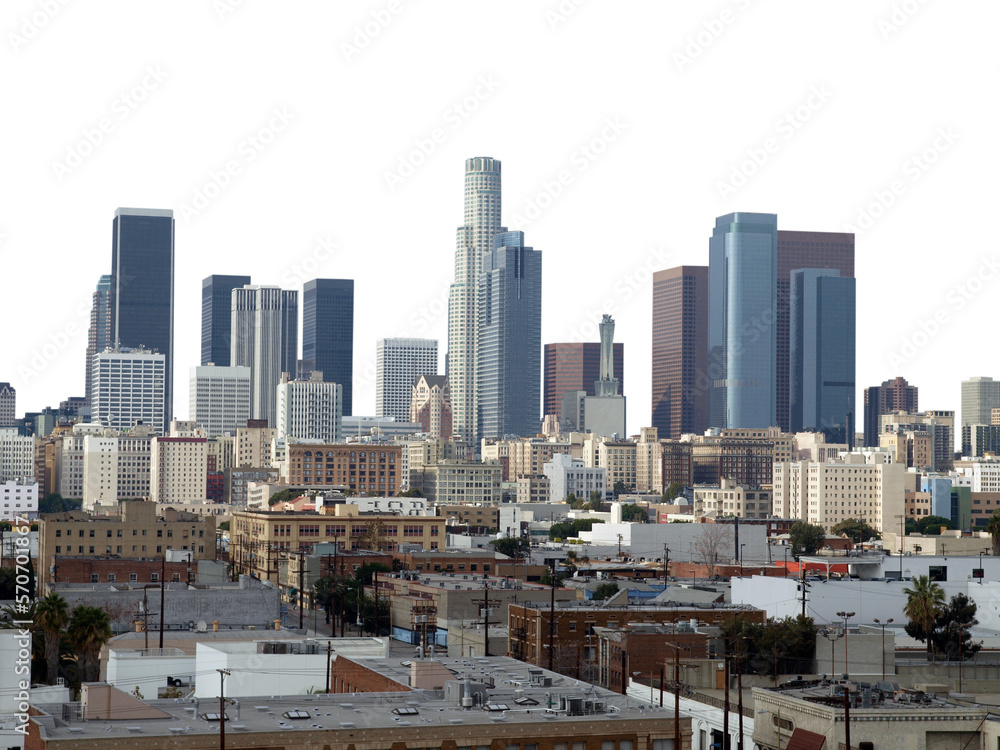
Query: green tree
(604,590)
(674,490)
(855,530)
(619,489)
(89,629)
(951,636)
(596,498)
(805,538)
(776,647)
(566,529)
(925,599)
(52,616)
(993,526)
(511,546)
(931,525)
(56,503)
(224,526)
(324,594)
(412,492)
(632,513)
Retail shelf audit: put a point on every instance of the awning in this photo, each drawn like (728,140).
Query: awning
(805,740)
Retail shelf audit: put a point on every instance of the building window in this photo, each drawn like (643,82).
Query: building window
(95,578)
(132,577)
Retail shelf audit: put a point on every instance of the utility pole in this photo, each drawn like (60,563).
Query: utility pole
(301,571)
(328,648)
(802,572)
(375,627)
(847,716)
(222,707)
(552,614)
(163,589)
(666,564)
(726,742)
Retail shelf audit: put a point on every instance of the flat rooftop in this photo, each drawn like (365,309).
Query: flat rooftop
(513,699)
(882,696)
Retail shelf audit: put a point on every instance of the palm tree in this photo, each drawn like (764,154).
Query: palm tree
(89,629)
(993,526)
(52,616)
(924,601)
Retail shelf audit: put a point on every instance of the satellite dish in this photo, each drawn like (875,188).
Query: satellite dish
(202,626)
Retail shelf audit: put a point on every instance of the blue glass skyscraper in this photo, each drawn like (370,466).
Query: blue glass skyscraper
(508,382)
(328,332)
(216,316)
(741,320)
(142,287)
(821,352)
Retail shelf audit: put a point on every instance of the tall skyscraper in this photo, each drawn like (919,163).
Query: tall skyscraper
(473,241)
(892,395)
(220,397)
(575,367)
(265,322)
(834,250)
(216,317)
(328,332)
(128,388)
(821,353)
(8,405)
(398,363)
(508,382)
(980,396)
(680,358)
(142,288)
(741,332)
(99,333)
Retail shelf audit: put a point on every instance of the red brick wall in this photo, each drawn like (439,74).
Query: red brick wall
(80,569)
(348,676)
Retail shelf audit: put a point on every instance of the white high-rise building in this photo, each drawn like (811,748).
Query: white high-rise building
(310,409)
(570,476)
(398,363)
(179,465)
(113,466)
(17,455)
(128,388)
(18,500)
(473,240)
(979,397)
(220,398)
(867,486)
(265,334)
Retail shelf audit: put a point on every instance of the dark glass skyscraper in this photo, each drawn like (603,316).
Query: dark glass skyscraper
(328,332)
(510,338)
(680,337)
(142,287)
(216,317)
(741,320)
(802,250)
(821,353)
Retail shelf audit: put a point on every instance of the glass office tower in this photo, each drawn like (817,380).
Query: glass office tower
(741,335)
(216,317)
(328,332)
(821,353)
(142,287)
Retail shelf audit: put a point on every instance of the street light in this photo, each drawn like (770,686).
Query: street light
(785,551)
(882,624)
(847,616)
(981,571)
(832,635)
(741,558)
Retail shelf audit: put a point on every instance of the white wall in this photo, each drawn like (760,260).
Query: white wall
(257,674)
(129,669)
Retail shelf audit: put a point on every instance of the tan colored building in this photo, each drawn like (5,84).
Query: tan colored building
(471,515)
(649,461)
(371,470)
(136,533)
(456,482)
(618,459)
(258,539)
(732,499)
(533,489)
(179,465)
(254,444)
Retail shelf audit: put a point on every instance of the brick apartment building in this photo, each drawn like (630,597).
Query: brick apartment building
(373,470)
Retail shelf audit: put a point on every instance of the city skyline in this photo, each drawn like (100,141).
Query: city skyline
(822,148)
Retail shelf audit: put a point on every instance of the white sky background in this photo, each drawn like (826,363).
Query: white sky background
(893,75)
